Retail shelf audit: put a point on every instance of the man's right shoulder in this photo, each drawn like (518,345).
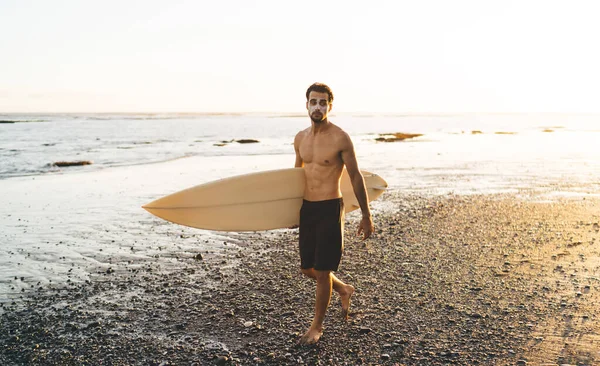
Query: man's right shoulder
(301,134)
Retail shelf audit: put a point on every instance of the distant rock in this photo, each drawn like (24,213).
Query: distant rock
(72,163)
(505,133)
(247,141)
(548,130)
(398,136)
(476,132)
(240,141)
(21,120)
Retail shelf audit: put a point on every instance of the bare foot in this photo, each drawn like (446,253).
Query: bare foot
(345,296)
(311,336)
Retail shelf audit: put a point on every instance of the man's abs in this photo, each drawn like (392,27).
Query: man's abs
(322,182)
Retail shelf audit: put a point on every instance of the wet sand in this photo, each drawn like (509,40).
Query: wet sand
(482,279)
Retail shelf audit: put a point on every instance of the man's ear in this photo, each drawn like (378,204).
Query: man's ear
(306,105)
(330,106)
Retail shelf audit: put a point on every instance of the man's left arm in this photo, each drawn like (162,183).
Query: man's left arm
(358,185)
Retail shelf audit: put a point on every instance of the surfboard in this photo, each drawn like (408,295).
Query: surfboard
(251,202)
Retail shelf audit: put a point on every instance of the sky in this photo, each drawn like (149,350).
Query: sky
(223,56)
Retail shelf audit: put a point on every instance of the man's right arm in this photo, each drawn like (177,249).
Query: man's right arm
(297,140)
(299,162)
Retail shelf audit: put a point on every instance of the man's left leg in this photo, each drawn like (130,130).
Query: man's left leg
(324,287)
(343,289)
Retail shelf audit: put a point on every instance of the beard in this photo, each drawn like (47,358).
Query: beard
(317,117)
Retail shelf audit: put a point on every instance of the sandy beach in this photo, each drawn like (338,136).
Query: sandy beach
(480,279)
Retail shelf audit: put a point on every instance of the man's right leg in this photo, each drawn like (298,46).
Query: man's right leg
(323,295)
(344,290)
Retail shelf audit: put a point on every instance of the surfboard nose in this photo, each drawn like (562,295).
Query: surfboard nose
(153,204)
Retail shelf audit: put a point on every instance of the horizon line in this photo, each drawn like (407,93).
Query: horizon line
(296,114)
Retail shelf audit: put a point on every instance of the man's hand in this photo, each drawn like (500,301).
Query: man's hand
(365,227)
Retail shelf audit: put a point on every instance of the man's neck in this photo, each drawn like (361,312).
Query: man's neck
(318,127)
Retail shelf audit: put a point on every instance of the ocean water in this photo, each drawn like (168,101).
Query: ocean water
(510,151)
(60,225)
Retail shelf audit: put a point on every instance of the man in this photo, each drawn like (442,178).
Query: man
(323,149)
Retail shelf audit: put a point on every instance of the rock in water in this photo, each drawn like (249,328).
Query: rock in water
(398,136)
(72,163)
(246,141)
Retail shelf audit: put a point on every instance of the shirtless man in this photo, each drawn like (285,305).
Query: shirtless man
(323,149)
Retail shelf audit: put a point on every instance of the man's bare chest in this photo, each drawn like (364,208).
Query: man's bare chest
(319,151)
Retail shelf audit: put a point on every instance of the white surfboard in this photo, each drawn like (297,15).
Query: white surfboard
(251,202)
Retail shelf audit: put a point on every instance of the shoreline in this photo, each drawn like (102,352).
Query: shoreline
(482,279)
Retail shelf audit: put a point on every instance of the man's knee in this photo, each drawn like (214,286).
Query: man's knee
(322,275)
(309,272)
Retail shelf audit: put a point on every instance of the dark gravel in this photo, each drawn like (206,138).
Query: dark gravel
(446,280)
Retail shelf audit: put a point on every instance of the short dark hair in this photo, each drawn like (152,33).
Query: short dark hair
(320,88)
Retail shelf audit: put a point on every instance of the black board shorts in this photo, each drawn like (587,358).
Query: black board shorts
(321,234)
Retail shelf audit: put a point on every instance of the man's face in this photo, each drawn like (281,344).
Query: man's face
(318,106)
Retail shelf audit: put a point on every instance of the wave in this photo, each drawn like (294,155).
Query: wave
(53,169)
(156,116)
